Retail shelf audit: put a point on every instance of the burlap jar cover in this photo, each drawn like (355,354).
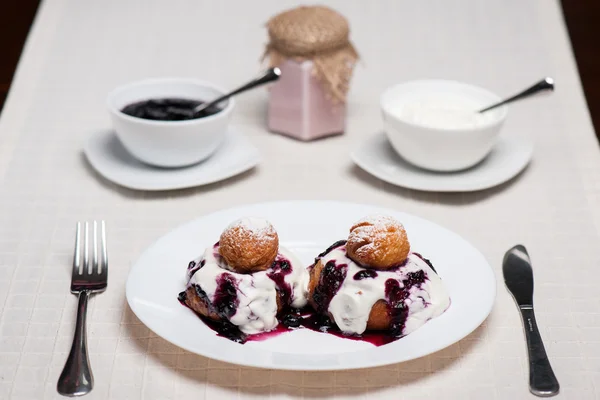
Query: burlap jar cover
(318,34)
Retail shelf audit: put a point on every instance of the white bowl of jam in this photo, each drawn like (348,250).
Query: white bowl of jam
(435,124)
(154,120)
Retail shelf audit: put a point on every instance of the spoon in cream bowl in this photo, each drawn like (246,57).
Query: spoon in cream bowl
(546,84)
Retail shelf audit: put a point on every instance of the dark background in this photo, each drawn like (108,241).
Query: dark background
(582,17)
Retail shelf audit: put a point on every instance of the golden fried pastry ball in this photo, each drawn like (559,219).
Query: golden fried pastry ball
(378,242)
(249,245)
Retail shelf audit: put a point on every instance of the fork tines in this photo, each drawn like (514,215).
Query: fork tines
(91,275)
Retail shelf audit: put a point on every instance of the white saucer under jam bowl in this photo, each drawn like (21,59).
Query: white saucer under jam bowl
(169,144)
(107,155)
(435,124)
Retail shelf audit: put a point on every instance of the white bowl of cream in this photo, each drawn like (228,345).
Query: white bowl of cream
(435,124)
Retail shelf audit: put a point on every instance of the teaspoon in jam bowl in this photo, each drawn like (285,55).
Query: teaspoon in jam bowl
(270,75)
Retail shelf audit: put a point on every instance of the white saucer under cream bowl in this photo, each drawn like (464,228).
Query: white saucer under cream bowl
(508,157)
(435,124)
(110,159)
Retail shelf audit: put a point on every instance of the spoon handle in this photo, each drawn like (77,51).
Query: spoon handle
(270,75)
(544,84)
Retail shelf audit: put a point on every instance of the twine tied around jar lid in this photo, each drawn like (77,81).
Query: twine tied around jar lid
(319,34)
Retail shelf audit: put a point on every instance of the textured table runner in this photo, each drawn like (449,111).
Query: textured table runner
(79,50)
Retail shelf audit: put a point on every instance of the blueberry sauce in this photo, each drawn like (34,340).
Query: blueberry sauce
(280,268)
(320,323)
(364,274)
(225,299)
(331,279)
(225,302)
(225,329)
(291,320)
(308,319)
(426,261)
(397,310)
(337,244)
(193,267)
(168,109)
(294,319)
(259,337)
(414,279)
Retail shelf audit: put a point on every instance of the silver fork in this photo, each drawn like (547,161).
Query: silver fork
(76,378)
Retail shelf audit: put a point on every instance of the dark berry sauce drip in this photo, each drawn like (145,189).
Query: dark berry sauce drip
(201,293)
(397,310)
(331,279)
(319,323)
(426,261)
(292,320)
(168,109)
(396,297)
(225,300)
(308,319)
(364,274)
(225,329)
(280,268)
(414,279)
(337,244)
(193,267)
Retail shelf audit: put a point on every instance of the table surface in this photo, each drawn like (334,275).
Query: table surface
(78,51)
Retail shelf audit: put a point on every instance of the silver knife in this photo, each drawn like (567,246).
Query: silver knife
(518,276)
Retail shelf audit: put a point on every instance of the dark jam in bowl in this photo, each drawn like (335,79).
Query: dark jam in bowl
(168,109)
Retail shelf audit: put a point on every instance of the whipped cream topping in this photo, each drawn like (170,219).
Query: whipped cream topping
(256,294)
(351,305)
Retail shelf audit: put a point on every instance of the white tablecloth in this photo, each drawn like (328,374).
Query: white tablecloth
(79,50)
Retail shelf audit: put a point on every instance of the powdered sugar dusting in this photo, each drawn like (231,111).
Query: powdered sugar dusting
(250,236)
(370,233)
(254,224)
(374,228)
(258,228)
(380,221)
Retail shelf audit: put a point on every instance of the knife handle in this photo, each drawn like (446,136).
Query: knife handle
(542,381)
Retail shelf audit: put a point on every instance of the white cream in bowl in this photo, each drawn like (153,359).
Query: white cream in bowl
(435,124)
(445,111)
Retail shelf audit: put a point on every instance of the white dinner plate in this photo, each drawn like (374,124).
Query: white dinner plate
(110,159)
(307,228)
(508,157)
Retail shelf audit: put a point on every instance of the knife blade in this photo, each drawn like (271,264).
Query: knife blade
(518,277)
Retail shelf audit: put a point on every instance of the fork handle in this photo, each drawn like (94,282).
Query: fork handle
(76,378)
